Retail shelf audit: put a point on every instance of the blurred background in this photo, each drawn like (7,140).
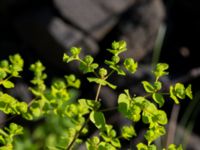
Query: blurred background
(155,31)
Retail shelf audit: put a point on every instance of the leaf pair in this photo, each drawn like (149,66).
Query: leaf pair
(178,91)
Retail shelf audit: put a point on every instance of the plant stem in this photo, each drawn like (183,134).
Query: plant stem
(85,123)
(110,74)
(108,109)
(77,134)
(98,92)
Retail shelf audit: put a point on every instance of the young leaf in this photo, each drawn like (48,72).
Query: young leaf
(115,67)
(91,104)
(92,144)
(124,103)
(72,81)
(154,133)
(158,98)
(157,85)
(148,87)
(161,117)
(3,74)
(101,81)
(8,84)
(98,119)
(128,132)
(130,65)
(87,64)
(173,94)
(103,72)
(118,47)
(174,147)
(179,90)
(116,143)
(188,91)
(160,70)
(142,146)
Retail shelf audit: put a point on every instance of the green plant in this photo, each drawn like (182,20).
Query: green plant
(73,117)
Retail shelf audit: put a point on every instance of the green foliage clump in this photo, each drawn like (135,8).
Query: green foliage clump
(66,120)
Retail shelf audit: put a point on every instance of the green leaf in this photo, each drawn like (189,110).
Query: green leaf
(103,72)
(116,143)
(87,64)
(160,70)
(142,146)
(173,94)
(75,51)
(148,87)
(118,47)
(15,129)
(115,67)
(174,147)
(66,58)
(124,103)
(90,104)
(153,133)
(161,117)
(128,132)
(157,85)
(92,144)
(152,147)
(98,119)
(158,98)
(130,65)
(180,90)
(3,74)
(188,91)
(72,81)
(8,84)
(101,81)
(106,146)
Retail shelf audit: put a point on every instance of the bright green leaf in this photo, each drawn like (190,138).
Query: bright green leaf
(188,91)
(159,99)
(130,65)
(116,143)
(8,84)
(160,70)
(101,81)
(128,132)
(179,90)
(98,119)
(142,146)
(173,94)
(148,87)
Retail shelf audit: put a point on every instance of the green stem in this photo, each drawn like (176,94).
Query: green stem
(98,92)
(108,109)
(110,74)
(77,134)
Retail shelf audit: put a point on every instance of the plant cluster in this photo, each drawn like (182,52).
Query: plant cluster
(56,101)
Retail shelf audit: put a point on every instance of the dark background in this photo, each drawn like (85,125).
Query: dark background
(46,29)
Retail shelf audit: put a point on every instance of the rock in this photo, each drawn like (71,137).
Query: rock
(115,6)
(87,16)
(141,28)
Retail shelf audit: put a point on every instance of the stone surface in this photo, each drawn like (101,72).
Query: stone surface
(86,15)
(115,6)
(140,30)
